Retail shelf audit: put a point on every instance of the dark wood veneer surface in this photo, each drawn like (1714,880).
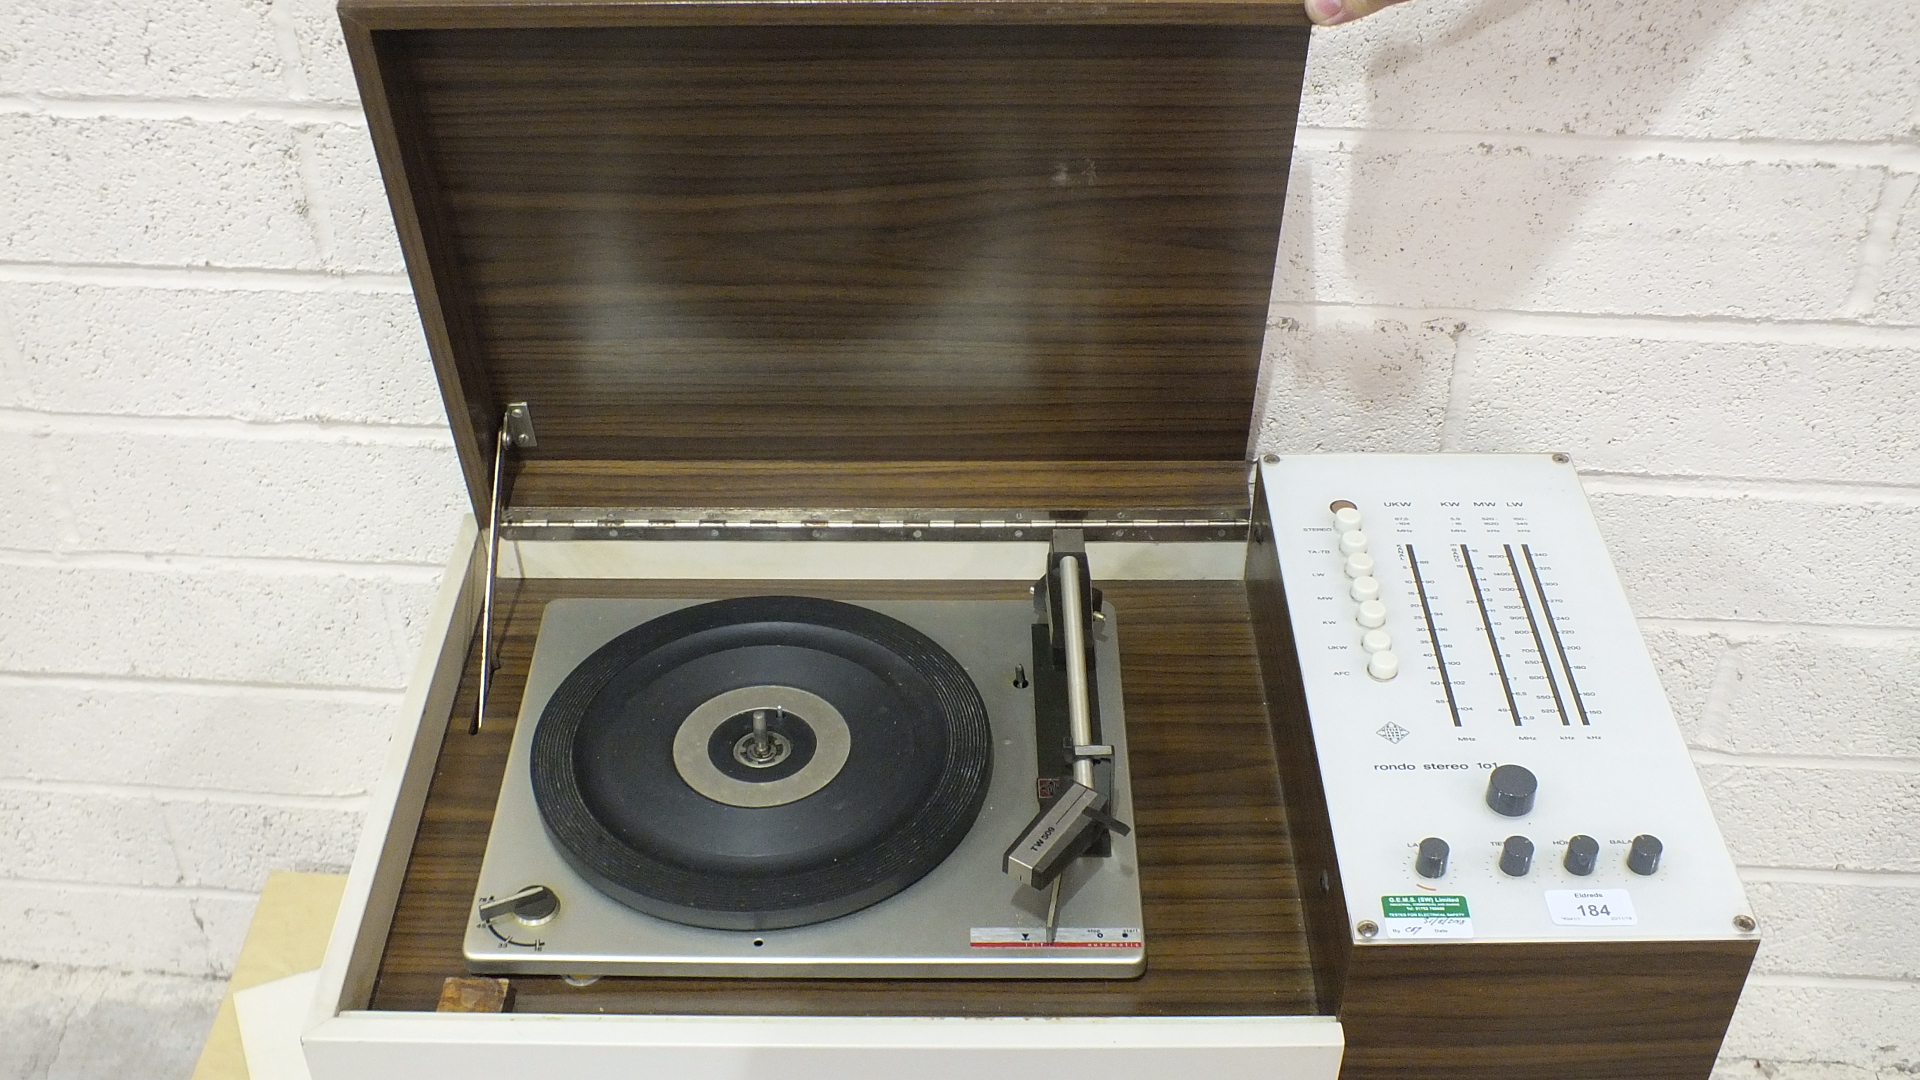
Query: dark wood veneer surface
(878,242)
(1222,914)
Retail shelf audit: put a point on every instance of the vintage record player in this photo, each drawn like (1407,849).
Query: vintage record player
(873,650)
(787,785)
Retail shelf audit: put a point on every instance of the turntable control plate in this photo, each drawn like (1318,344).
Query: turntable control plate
(962,918)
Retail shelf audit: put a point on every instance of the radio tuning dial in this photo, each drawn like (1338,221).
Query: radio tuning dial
(1510,790)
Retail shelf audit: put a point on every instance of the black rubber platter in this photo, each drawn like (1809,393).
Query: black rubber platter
(918,763)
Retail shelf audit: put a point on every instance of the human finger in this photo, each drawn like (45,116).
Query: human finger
(1335,12)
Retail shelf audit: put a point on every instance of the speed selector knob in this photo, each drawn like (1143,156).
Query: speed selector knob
(1432,860)
(533,904)
(1510,790)
(1643,857)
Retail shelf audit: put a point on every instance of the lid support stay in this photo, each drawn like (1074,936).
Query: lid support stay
(516,429)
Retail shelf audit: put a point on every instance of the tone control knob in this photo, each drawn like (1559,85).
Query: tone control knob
(533,904)
(1353,543)
(1359,565)
(1432,860)
(1346,518)
(1364,589)
(1582,853)
(1644,857)
(1516,856)
(1383,665)
(1376,641)
(1510,790)
(1372,613)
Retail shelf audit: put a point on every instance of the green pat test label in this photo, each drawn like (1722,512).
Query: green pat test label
(1421,906)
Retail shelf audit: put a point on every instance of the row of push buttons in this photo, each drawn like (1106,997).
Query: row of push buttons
(1382,663)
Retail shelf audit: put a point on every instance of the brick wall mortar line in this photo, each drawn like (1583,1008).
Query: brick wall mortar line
(201,110)
(1799,875)
(1898,155)
(293,65)
(1876,248)
(1853,633)
(234,429)
(1776,491)
(406,573)
(354,803)
(205,278)
(200,688)
(1892,766)
(1831,982)
(124,888)
(1832,333)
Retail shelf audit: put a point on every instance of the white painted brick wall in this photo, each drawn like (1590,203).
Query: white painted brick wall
(1681,243)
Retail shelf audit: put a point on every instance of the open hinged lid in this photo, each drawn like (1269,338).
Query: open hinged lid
(832,232)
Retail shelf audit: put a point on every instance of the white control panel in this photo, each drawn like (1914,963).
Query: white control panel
(1500,761)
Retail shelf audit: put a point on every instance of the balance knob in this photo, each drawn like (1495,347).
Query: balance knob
(1516,856)
(533,904)
(1644,857)
(1510,790)
(1582,853)
(1432,860)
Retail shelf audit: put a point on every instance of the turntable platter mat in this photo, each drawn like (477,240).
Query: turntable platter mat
(872,765)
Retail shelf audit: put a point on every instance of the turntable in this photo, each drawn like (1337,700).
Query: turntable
(785,786)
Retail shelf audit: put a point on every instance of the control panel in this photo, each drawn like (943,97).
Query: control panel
(1499,760)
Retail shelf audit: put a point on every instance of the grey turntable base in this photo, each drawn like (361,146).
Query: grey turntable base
(965,919)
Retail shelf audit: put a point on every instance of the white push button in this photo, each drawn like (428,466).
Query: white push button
(1383,665)
(1359,565)
(1376,641)
(1364,589)
(1346,520)
(1373,613)
(1353,543)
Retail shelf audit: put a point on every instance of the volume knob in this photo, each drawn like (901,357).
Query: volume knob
(1510,790)
(1432,860)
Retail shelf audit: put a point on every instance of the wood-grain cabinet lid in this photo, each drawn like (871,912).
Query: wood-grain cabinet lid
(846,231)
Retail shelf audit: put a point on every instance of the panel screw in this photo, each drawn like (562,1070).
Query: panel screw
(1326,882)
(1744,923)
(1271,459)
(1368,928)
(1561,459)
